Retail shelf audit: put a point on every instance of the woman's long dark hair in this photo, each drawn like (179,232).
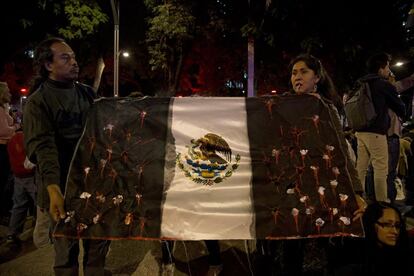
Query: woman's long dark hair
(372,214)
(326,87)
(384,260)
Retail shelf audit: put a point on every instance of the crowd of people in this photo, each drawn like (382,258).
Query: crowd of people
(380,157)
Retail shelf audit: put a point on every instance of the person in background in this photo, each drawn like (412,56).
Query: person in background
(408,142)
(403,86)
(393,140)
(24,193)
(372,140)
(394,134)
(54,117)
(385,249)
(7,129)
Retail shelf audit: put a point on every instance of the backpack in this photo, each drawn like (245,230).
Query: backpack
(359,107)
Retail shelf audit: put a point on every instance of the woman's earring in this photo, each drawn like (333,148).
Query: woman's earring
(315,88)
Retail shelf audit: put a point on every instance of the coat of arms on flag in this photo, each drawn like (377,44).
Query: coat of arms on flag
(202,162)
(211,168)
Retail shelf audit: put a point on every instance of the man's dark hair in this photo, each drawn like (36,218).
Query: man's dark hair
(43,53)
(377,61)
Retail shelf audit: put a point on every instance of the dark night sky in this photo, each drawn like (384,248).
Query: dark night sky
(368,21)
(375,25)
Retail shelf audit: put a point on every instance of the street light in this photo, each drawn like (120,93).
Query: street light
(399,63)
(115,13)
(125,54)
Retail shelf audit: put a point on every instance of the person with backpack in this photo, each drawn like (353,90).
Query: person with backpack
(372,138)
(24,193)
(54,117)
(393,139)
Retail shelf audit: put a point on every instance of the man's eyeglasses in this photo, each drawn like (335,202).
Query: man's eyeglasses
(389,225)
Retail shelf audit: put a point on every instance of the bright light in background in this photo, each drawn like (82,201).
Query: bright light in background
(125,54)
(399,63)
(29,53)
(274,91)
(23,91)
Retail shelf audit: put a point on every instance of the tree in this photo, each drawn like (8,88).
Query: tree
(342,34)
(78,21)
(83,19)
(252,30)
(170,30)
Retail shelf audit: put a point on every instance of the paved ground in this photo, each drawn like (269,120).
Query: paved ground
(131,257)
(125,257)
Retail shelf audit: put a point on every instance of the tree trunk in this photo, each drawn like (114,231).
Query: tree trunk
(250,67)
(100,66)
(178,70)
(171,73)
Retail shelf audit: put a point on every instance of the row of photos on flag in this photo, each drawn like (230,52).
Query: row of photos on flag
(210,168)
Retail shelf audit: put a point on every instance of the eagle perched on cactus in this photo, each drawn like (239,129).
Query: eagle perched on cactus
(209,145)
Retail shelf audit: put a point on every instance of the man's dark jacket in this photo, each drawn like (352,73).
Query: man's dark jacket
(54,117)
(384,97)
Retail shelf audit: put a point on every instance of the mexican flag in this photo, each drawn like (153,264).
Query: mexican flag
(210,168)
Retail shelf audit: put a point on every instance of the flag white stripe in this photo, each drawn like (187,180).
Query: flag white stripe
(194,211)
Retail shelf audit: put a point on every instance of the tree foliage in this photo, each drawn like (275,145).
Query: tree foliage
(205,41)
(74,20)
(84,17)
(170,28)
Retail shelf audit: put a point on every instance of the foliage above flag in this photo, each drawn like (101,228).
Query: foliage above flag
(211,168)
